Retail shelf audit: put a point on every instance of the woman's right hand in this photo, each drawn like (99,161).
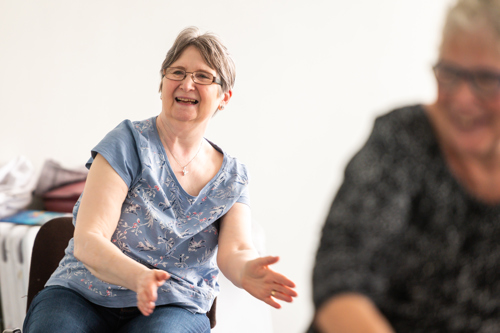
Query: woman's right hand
(147,289)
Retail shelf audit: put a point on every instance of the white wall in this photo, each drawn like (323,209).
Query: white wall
(311,77)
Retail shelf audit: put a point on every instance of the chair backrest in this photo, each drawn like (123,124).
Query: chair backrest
(48,250)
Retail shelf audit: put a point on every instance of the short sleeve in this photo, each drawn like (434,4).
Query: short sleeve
(119,148)
(238,180)
(244,196)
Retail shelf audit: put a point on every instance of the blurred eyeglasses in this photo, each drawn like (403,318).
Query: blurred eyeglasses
(483,82)
(200,77)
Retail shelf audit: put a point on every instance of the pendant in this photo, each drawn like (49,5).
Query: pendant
(184,171)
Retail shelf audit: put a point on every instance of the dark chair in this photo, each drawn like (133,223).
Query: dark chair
(48,250)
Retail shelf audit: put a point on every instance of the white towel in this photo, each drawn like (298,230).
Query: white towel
(17,181)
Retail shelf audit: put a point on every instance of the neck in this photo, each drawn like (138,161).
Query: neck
(478,172)
(182,145)
(183,137)
(480,176)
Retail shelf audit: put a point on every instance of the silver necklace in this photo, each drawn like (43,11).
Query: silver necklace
(184,168)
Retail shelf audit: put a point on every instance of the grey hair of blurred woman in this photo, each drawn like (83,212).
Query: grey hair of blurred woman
(212,50)
(472,16)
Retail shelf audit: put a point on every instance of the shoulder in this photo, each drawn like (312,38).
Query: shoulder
(136,128)
(127,131)
(142,127)
(231,164)
(399,145)
(236,166)
(406,122)
(122,145)
(405,129)
(237,169)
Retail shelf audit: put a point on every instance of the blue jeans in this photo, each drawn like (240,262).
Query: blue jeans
(60,309)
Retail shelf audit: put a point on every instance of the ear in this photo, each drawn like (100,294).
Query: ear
(226,97)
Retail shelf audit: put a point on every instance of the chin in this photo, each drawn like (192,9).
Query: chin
(476,144)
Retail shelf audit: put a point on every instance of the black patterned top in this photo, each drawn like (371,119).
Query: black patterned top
(404,232)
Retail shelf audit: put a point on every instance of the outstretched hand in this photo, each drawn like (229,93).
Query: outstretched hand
(147,290)
(265,284)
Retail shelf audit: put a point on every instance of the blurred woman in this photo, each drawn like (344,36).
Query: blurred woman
(411,240)
(163,209)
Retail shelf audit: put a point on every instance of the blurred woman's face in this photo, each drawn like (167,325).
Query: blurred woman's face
(469,115)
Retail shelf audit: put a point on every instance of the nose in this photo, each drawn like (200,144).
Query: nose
(188,83)
(465,93)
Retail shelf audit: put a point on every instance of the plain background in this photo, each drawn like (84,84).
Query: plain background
(311,78)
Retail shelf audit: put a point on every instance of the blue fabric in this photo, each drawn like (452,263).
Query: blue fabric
(161,225)
(59,309)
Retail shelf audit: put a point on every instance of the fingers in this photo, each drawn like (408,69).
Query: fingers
(265,261)
(146,308)
(161,277)
(147,293)
(145,303)
(281,279)
(278,278)
(284,294)
(269,300)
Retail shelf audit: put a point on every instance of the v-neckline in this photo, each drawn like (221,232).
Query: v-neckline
(171,171)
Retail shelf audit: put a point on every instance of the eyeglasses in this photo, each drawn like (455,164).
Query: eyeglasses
(200,77)
(483,82)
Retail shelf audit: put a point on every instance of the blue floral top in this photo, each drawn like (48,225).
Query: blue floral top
(161,225)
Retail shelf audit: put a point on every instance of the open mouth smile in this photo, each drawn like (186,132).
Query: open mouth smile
(186,100)
(470,122)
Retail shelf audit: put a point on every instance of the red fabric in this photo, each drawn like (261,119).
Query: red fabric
(63,198)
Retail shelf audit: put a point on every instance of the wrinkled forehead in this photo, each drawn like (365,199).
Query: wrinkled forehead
(192,59)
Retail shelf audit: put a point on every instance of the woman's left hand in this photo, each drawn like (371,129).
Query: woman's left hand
(265,284)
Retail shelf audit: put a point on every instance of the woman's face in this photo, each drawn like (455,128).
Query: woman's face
(470,121)
(186,101)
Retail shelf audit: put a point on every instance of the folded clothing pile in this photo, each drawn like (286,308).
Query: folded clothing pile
(60,187)
(17,180)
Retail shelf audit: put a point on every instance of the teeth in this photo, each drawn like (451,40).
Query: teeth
(466,121)
(187,100)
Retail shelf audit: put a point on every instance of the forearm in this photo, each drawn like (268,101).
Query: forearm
(232,264)
(351,313)
(105,261)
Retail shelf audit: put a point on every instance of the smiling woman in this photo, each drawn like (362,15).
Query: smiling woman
(151,235)
(411,240)
(466,114)
(181,102)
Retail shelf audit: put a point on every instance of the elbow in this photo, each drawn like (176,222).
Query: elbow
(77,252)
(79,249)
(220,262)
(224,264)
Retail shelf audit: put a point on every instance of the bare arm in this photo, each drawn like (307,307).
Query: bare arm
(350,313)
(240,263)
(96,222)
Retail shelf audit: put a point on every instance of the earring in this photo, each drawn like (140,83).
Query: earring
(221,107)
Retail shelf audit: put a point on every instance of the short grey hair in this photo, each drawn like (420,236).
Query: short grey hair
(470,15)
(213,51)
